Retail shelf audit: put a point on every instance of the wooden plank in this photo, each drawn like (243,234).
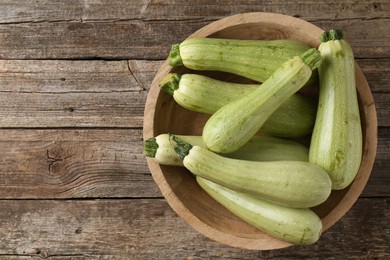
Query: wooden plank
(149,229)
(90,10)
(74,164)
(79,76)
(377,73)
(90,40)
(382,108)
(62,93)
(93,163)
(150,39)
(72,110)
(39,11)
(379,181)
(74,93)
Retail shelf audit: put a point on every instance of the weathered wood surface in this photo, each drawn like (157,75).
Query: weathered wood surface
(146,29)
(115,40)
(73,93)
(80,163)
(63,93)
(74,164)
(71,129)
(91,10)
(148,229)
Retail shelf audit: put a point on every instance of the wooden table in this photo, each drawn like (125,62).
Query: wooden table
(74,77)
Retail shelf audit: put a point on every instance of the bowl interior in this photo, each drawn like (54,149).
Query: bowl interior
(164,115)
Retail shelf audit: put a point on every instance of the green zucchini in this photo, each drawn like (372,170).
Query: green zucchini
(297,226)
(337,142)
(161,150)
(294,184)
(294,118)
(253,59)
(259,148)
(235,123)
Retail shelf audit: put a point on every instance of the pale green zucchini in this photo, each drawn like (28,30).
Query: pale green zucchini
(235,123)
(294,118)
(294,184)
(161,149)
(336,143)
(297,226)
(259,148)
(253,59)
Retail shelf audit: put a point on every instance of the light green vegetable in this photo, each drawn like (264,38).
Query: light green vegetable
(253,59)
(235,123)
(259,148)
(336,143)
(290,183)
(297,226)
(294,118)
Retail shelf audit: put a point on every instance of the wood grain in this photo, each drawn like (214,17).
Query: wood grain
(148,229)
(93,163)
(73,93)
(119,40)
(74,164)
(89,10)
(377,73)
(62,93)
(70,130)
(379,182)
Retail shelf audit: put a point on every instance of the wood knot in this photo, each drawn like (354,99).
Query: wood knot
(54,160)
(42,253)
(78,230)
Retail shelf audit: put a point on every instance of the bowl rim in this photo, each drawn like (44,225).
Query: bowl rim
(342,207)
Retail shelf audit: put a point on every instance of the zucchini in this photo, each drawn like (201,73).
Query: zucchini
(294,184)
(161,150)
(297,226)
(337,141)
(253,59)
(235,123)
(294,118)
(259,148)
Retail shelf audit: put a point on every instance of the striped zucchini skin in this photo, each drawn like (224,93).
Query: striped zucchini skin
(259,148)
(206,95)
(294,184)
(297,226)
(253,59)
(269,148)
(235,123)
(337,141)
(294,118)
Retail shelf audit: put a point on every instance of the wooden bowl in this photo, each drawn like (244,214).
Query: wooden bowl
(163,115)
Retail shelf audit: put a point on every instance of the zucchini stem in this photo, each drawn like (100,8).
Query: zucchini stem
(150,147)
(181,148)
(174,56)
(332,35)
(312,58)
(170,83)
